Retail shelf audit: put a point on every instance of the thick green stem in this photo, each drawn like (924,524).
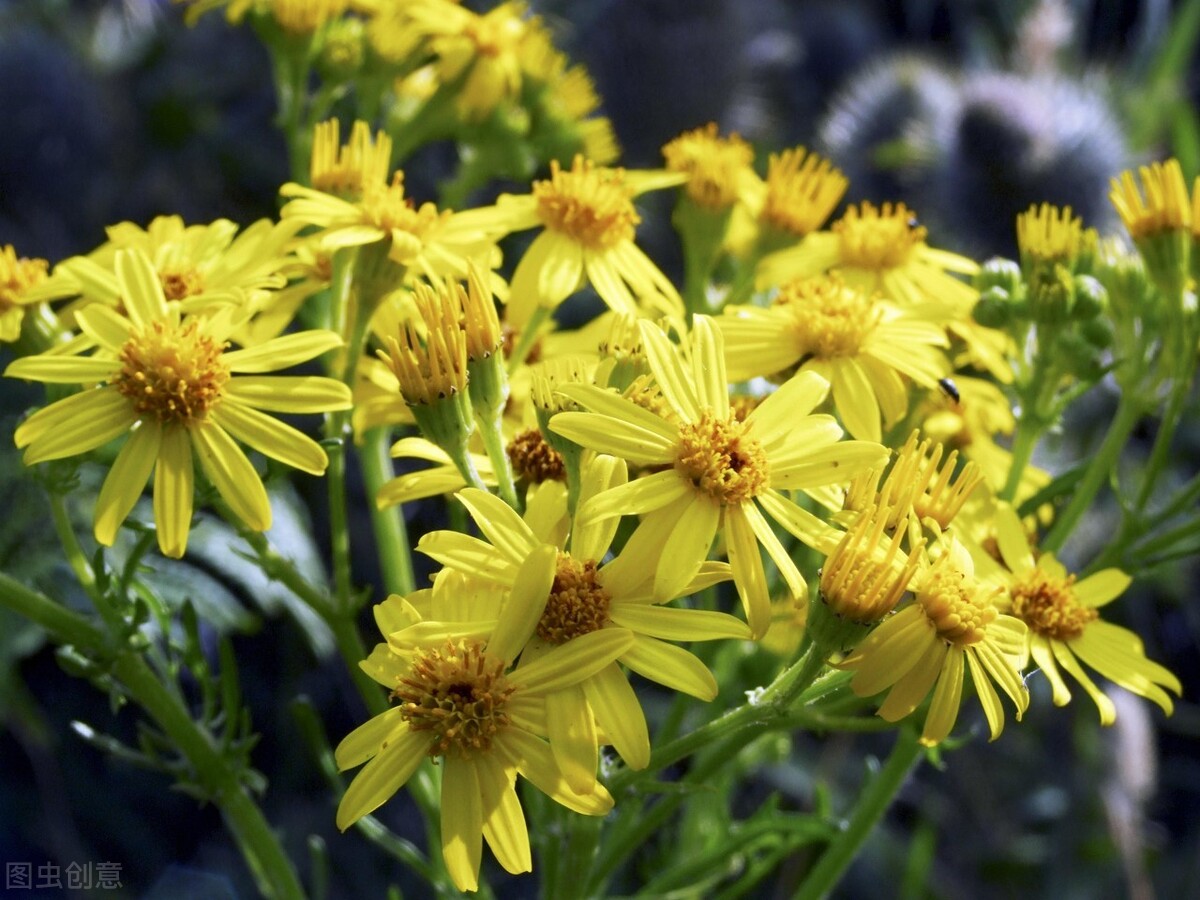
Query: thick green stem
(872,804)
(1180,390)
(266,859)
(493,444)
(1103,463)
(391,533)
(1029,432)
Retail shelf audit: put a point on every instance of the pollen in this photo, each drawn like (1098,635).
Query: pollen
(878,238)
(174,373)
(714,165)
(721,459)
(457,693)
(578,603)
(831,319)
(802,191)
(345,171)
(179,284)
(533,459)
(1049,607)
(958,607)
(18,275)
(589,204)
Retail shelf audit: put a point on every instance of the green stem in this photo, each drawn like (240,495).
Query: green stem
(72,548)
(872,804)
(1029,432)
(528,338)
(1172,415)
(493,445)
(261,849)
(391,533)
(1103,463)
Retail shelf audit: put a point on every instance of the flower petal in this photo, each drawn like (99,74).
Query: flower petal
(598,400)
(174,490)
(51,369)
(125,481)
(618,712)
(289,393)
(689,540)
(78,424)
(708,367)
(572,733)
(140,286)
(947,697)
(671,667)
(231,473)
(672,624)
(282,352)
(668,371)
(499,523)
(504,826)
(642,495)
(370,738)
(535,762)
(526,603)
(382,777)
(462,822)
(748,574)
(605,434)
(796,397)
(572,662)
(271,437)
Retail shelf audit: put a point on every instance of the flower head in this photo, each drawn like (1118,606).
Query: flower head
(174,389)
(719,169)
(18,277)
(1065,628)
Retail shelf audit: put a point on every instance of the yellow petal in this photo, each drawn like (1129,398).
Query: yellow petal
(800,523)
(526,603)
(988,698)
(499,523)
(670,666)
(535,762)
(78,424)
(559,262)
(668,371)
(173,491)
(231,473)
(947,697)
(105,326)
(672,624)
(370,738)
(1043,658)
(836,464)
(462,822)
(748,574)
(1012,540)
(503,820)
(282,352)
(605,434)
(708,367)
(64,369)
(469,554)
(796,397)
(598,400)
(1101,587)
(572,733)
(779,555)
(382,777)
(642,495)
(617,710)
(855,400)
(271,437)
(604,272)
(140,287)
(910,690)
(289,393)
(687,545)
(1066,659)
(124,483)
(572,662)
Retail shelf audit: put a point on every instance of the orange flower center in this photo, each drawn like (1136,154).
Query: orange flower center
(182,283)
(578,603)
(1049,607)
(457,693)
(958,606)
(721,459)
(535,460)
(590,205)
(714,165)
(409,226)
(832,320)
(174,373)
(878,239)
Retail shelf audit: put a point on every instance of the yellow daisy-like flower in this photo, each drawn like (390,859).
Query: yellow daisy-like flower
(1164,206)
(860,344)
(716,473)
(802,189)
(170,385)
(588,220)
(18,278)
(460,702)
(952,625)
(1065,627)
(720,170)
(589,595)
(427,241)
(485,50)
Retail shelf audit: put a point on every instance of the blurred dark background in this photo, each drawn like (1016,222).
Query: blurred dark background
(967,111)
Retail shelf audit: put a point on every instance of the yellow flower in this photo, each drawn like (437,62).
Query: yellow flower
(1164,206)
(344,170)
(716,473)
(861,345)
(720,170)
(18,278)
(588,595)
(588,222)
(952,625)
(1065,627)
(801,191)
(459,701)
(171,386)
(427,241)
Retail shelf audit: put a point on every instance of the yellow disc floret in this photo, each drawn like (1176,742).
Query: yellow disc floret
(831,318)
(958,607)
(878,238)
(715,165)
(457,693)
(173,373)
(721,459)
(578,603)
(1049,607)
(589,204)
